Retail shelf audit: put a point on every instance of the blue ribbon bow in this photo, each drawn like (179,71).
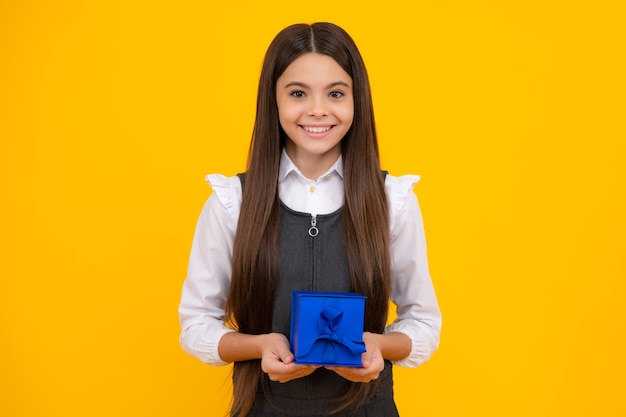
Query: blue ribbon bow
(332,336)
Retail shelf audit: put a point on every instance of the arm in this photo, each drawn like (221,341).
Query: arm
(418,314)
(414,336)
(201,311)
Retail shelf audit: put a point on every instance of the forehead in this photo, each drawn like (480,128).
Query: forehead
(314,67)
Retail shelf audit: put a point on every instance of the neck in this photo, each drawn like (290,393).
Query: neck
(313,166)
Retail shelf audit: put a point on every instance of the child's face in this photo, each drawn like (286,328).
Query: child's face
(316,109)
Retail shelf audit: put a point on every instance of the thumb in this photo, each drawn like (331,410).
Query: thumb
(284,355)
(366,359)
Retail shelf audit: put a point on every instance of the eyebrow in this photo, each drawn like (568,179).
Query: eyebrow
(303,85)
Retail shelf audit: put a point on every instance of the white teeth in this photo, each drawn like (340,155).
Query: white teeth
(315,129)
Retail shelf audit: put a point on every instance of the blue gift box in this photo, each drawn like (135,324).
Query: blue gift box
(327,328)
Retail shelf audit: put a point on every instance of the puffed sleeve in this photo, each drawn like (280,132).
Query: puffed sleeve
(418,314)
(204,293)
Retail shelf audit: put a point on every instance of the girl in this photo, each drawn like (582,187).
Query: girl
(312,212)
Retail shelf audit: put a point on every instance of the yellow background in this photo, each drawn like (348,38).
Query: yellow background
(111,112)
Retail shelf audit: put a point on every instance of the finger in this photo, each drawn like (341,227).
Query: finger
(291,372)
(285,356)
(355,374)
(366,360)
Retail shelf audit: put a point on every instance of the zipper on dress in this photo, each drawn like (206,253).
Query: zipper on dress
(313,230)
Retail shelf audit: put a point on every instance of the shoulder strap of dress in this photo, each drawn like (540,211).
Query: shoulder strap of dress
(242,179)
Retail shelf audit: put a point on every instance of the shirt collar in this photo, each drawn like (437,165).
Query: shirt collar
(287,167)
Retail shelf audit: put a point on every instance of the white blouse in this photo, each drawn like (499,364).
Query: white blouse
(205,289)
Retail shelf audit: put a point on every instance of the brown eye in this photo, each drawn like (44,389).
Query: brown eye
(297,94)
(336,94)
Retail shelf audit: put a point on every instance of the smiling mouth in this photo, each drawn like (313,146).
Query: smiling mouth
(316,129)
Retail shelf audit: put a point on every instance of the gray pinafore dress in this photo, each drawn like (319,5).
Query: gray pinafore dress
(314,263)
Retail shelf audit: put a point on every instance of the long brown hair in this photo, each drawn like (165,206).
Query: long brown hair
(365,213)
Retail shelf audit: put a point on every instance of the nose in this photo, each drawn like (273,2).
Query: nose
(318,107)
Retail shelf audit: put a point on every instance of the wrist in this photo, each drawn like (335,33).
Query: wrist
(371,338)
(236,347)
(261,342)
(393,346)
